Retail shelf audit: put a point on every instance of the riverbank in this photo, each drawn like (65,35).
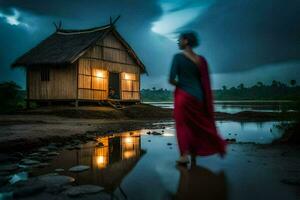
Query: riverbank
(33,128)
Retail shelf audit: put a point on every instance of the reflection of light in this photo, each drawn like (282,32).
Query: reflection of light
(128,154)
(128,140)
(100,160)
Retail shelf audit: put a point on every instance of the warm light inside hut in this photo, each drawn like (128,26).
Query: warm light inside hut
(100,73)
(129,76)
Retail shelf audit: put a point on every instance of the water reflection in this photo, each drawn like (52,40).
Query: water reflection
(235,107)
(200,183)
(110,159)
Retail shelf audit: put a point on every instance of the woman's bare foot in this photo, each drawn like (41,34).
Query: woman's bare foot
(184,159)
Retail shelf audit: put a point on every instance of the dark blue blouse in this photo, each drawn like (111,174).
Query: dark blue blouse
(187,75)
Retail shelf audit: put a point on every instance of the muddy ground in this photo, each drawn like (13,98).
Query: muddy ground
(28,129)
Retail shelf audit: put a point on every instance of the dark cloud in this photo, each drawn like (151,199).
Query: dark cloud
(243,34)
(237,35)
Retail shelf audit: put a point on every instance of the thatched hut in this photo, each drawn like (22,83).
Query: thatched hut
(94,64)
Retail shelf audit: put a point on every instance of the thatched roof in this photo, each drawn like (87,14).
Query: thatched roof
(66,46)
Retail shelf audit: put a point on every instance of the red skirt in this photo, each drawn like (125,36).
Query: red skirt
(196,132)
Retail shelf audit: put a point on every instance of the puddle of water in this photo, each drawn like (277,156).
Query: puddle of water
(143,165)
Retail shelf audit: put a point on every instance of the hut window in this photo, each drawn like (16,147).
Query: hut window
(45,74)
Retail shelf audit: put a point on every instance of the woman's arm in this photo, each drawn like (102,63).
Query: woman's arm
(173,72)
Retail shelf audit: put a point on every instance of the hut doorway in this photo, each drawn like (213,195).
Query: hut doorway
(114,85)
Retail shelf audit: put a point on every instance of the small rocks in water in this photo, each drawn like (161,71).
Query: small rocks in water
(8,167)
(271,130)
(43,150)
(231,140)
(29,162)
(170,148)
(52,153)
(169,143)
(229,133)
(28,188)
(83,189)
(79,168)
(149,140)
(41,165)
(21,176)
(156,133)
(34,154)
(59,170)
(55,180)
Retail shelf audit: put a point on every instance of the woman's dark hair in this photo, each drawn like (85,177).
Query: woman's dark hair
(191,37)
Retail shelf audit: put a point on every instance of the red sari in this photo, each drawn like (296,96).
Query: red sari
(195,123)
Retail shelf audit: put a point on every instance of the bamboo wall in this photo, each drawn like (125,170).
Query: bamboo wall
(91,81)
(61,85)
(108,55)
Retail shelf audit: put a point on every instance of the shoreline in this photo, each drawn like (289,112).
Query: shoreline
(30,129)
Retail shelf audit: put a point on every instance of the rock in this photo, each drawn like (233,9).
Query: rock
(34,154)
(79,168)
(148,132)
(231,140)
(149,140)
(53,153)
(28,188)
(169,143)
(83,190)
(43,150)
(53,180)
(8,167)
(59,170)
(156,133)
(21,176)
(29,162)
(41,165)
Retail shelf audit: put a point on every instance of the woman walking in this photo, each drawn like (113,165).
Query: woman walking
(193,105)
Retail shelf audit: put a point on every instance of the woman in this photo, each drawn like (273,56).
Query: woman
(193,107)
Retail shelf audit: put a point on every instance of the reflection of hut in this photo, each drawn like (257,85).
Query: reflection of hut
(82,65)
(111,162)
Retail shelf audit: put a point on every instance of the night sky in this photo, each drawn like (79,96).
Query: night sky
(244,41)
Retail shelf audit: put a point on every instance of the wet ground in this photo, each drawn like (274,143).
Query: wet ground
(141,165)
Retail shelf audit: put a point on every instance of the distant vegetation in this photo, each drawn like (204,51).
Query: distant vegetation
(275,91)
(11,97)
